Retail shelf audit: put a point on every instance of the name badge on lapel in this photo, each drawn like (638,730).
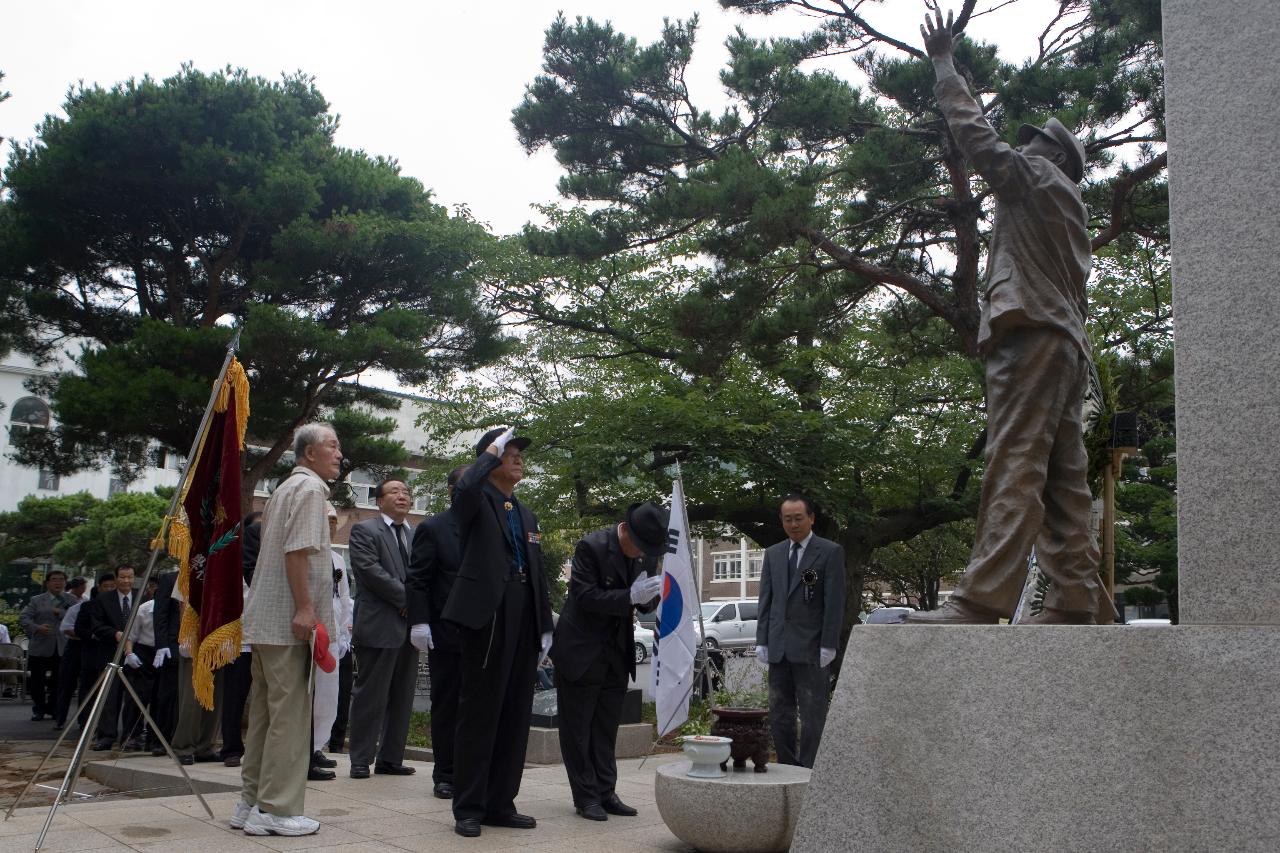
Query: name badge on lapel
(535,538)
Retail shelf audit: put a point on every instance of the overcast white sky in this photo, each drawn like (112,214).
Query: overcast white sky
(429,83)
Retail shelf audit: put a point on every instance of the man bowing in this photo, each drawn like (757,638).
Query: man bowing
(801,614)
(499,602)
(593,650)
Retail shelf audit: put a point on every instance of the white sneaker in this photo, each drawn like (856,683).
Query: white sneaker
(239,816)
(260,823)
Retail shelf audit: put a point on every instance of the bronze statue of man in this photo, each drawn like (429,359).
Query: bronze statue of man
(1032,337)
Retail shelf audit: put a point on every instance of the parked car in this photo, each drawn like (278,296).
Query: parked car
(644,644)
(887,616)
(648,619)
(1149,623)
(730,624)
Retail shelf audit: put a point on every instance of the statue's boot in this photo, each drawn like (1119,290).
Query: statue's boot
(954,612)
(1053,616)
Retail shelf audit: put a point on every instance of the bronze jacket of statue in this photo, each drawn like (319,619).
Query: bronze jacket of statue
(1040,252)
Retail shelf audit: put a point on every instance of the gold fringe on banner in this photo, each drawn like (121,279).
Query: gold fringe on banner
(220,648)
(236,381)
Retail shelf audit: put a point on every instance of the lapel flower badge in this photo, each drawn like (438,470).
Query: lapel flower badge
(508,506)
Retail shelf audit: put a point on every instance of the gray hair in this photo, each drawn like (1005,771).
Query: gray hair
(309,434)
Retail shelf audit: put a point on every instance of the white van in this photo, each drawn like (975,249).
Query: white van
(730,624)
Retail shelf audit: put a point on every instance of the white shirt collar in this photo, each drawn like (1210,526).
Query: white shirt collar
(804,543)
(389,521)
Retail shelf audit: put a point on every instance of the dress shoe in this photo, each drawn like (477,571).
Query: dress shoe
(57,726)
(186,760)
(359,771)
(318,759)
(511,821)
(443,791)
(954,612)
(393,769)
(205,757)
(132,746)
(592,811)
(1052,616)
(157,750)
(320,774)
(230,760)
(467,827)
(613,805)
(35,718)
(101,744)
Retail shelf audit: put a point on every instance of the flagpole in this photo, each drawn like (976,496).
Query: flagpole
(113,669)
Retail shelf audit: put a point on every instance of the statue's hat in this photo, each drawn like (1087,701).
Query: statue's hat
(1057,133)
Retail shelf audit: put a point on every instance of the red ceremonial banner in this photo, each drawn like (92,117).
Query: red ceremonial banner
(207,539)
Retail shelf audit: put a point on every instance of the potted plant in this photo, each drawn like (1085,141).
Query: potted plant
(741,711)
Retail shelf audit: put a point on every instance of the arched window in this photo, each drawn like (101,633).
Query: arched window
(29,413)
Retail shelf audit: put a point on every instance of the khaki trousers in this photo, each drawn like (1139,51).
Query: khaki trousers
(1035,488)
(277,749)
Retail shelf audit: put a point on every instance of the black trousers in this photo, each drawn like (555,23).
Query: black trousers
(495,703)
(346,677)
(43,684)
(91,665)
(68,676)
(165,707)
(590,709)
(445,663)
(143,681)
(236,681)
(803,687)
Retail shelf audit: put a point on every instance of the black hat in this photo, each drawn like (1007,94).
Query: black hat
(517,441)
(647,525)
(1057,133)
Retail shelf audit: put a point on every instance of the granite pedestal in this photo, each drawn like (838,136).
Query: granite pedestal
(741,812)
(1053,738)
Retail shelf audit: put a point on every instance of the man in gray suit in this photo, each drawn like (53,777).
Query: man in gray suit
(801,614)
(386,662)
(40,620)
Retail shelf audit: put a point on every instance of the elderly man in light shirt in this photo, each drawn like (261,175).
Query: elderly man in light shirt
(292,593)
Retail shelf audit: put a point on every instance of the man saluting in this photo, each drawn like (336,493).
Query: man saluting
(499,601)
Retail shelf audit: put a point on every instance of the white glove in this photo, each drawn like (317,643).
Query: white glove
(546,647)
(762,652)
(344,646)
(420,637)
(646,588)
(825,657)
(131,660)
(500,443)
(162,655)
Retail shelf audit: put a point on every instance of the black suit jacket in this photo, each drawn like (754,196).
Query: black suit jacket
(433,567)
(597,611)
(486,551)
(167,614)
(105,619)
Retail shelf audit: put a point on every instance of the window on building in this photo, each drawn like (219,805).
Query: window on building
(755,565)
(49,481)
(116,487)
(362,484)
(726,567)
(29,413)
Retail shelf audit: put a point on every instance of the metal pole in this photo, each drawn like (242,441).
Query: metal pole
(113,668)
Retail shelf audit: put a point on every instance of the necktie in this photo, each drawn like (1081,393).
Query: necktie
(793,563)
(404,550)
(124,606)
(513,526)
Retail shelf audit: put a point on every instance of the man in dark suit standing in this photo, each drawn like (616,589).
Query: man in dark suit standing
(801,614)
(433,566)
(386,663)
(593,653)
(107,617)
(499,601)
(166,619)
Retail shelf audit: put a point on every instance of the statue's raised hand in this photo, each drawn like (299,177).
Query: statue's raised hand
(939,38)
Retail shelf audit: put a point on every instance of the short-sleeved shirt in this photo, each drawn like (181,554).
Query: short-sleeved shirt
(143,632)
(294,519)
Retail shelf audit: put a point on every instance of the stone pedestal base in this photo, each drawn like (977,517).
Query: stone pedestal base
(743,812)
(1058,738)
(634,740)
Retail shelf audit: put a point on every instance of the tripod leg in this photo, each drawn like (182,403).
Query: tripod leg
(142,706)
(34,776)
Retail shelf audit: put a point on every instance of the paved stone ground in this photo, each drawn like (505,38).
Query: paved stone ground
(382,813)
